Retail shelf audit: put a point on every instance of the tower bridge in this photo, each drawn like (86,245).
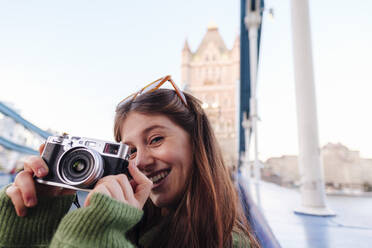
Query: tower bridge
(13,149)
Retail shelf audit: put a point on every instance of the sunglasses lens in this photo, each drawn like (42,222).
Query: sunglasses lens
(125,100)
(152,86)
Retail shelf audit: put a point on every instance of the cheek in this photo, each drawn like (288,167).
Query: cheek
(176,158)
(178,155)
(187,162)
(168,153)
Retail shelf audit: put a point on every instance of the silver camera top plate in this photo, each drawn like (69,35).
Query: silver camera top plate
(69,142)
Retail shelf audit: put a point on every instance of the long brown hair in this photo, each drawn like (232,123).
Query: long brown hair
(209,211)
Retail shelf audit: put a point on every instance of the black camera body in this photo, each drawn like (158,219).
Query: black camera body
(78,163)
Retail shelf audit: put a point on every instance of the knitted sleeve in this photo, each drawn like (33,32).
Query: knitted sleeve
(240,240)
(38,227)
(103,223)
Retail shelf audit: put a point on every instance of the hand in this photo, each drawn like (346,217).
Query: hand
(134,192)
(24,191)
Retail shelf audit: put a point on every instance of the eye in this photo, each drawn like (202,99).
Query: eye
(156,140)
(132,152)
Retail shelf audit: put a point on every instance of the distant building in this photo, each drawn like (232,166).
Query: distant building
(284,169)
(343,169)
(211,73)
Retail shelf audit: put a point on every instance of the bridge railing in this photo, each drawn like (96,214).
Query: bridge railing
(10,145)
(15,116)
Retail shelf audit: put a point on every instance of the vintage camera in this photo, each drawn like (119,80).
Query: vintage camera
(78,163)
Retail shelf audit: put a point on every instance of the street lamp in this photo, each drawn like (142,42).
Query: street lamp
(252,22)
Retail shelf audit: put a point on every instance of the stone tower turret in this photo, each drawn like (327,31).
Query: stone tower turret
(211,74)
(235,55)
(185,64)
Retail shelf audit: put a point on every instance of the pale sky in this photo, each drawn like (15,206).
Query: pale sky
(66,64)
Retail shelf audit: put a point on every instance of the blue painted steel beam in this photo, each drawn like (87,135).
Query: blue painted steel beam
(245,74)
(15,116)
(255,216)
(15,147)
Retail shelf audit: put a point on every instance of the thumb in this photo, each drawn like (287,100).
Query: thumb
(143,187)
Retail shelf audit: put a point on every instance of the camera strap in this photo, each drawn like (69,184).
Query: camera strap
(76,201)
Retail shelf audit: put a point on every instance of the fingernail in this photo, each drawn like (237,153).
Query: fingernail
(41,171)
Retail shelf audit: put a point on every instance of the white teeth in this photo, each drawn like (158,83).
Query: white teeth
(159,176)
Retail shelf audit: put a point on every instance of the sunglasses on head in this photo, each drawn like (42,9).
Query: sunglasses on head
(152,87)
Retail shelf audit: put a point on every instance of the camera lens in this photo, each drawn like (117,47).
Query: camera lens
(81,167)
(77,169)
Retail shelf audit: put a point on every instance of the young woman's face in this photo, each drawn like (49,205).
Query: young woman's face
(162,151)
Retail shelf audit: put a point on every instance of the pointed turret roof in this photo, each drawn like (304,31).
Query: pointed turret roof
(212,25)
(212,36)
(186,46)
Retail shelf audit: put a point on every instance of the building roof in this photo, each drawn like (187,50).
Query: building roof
(186,46)
(212,36)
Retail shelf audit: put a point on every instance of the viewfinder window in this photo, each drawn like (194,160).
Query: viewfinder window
(111,149)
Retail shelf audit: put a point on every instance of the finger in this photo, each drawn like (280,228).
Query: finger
(133,184)
(126,188)
(41,148)
(15,196)
(98,189)
(137,175)
(144,186)
(112,184)
(26,184)
(36,165)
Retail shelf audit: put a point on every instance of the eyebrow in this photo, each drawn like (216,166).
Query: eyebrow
(149,129)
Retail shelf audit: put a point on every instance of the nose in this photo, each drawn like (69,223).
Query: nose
(144,160)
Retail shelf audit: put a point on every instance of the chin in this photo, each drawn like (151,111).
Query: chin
(159,202)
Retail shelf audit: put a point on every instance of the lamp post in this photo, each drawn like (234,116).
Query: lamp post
(252,22)
(247,172)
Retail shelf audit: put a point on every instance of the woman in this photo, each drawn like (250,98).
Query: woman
(180,194)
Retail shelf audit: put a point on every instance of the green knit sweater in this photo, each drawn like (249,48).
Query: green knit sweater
(102,224)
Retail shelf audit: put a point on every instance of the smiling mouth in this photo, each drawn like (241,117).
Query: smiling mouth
(156,179)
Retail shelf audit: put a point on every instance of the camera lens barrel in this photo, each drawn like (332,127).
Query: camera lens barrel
(80,167)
